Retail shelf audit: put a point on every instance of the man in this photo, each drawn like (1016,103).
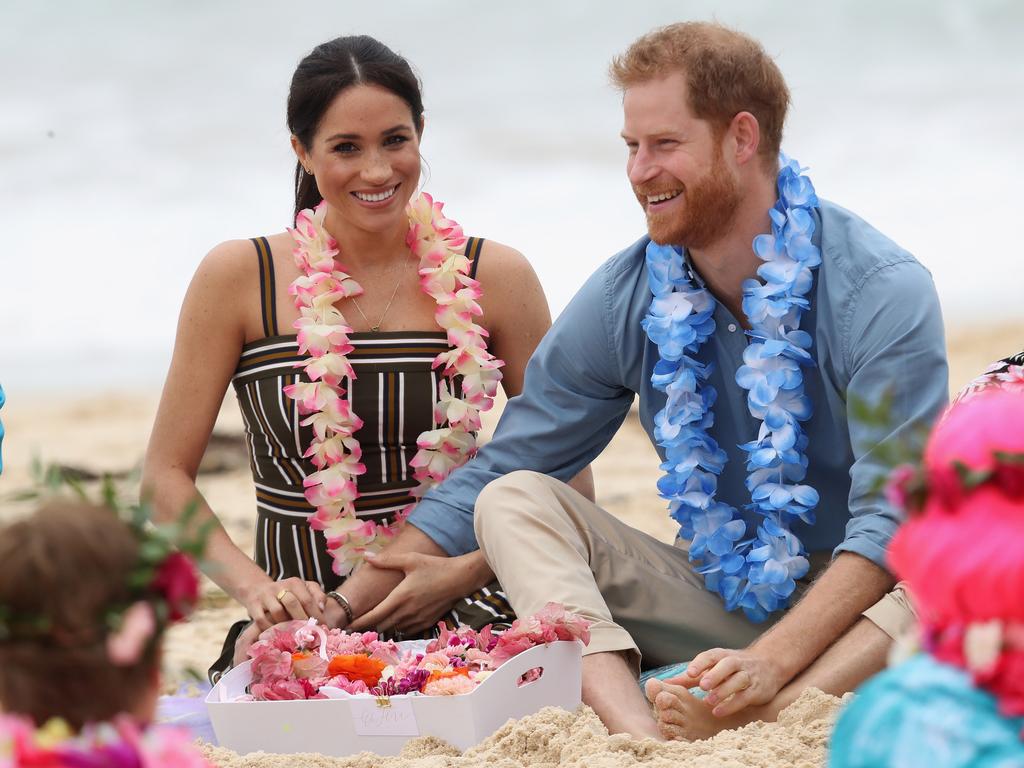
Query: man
(704,108)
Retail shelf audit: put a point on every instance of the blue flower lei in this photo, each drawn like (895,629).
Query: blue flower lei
(756,573)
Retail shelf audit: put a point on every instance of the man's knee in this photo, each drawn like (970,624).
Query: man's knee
(894,614)
(504,500)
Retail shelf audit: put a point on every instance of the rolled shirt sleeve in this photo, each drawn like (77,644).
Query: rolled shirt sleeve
(573,401)
(895,351)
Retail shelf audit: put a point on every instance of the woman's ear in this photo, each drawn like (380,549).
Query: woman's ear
(301,153)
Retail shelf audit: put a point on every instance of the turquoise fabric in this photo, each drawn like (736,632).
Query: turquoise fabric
(664,673)
(925,713)
(877,329)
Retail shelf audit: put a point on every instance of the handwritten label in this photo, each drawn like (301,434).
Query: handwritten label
(372,719)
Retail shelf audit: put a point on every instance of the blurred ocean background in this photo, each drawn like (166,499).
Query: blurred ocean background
(134,136)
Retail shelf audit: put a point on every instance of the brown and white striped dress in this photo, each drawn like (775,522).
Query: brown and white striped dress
(394,393)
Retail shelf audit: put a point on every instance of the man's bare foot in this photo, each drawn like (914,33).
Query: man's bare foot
(682,716)
(610,689)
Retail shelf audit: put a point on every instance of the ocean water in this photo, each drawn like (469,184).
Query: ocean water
(136,136)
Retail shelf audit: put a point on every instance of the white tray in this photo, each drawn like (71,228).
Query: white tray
(344,726)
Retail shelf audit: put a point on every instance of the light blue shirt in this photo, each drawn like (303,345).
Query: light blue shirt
(877,328)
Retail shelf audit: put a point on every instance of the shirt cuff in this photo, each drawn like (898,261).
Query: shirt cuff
(446,525)
(867,547)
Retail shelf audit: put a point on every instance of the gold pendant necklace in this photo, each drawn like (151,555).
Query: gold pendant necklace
(376,328)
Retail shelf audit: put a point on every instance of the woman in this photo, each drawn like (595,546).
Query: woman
(356,117)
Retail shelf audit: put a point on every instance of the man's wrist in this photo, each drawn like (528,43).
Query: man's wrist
(777,657)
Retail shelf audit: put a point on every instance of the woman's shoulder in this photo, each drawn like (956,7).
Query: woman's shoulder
(229,270)
(239,260)
(498,263)
(227,257)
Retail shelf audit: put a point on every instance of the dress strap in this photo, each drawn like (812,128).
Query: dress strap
(473,247)
(268,297)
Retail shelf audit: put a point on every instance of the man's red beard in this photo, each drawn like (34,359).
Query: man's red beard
(709,207)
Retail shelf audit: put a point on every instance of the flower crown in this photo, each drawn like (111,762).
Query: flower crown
(163,585)
(909,487)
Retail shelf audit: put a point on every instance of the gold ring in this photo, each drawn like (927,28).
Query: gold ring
(281,594)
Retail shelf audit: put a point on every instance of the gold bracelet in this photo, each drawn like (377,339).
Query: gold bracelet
(346,606)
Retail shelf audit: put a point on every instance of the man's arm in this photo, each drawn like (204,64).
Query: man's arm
(574,400)
(896,350)
(572,403)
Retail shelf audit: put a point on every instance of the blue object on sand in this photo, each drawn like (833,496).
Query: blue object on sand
(664,673)
(186,709)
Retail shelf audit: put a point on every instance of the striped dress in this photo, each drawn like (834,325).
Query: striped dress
(394,392)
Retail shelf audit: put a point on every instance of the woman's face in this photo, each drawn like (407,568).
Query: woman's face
(366,158)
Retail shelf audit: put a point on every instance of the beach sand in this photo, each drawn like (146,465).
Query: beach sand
(108,433)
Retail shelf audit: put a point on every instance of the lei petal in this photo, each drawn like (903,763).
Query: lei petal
(756,574)
(323,335)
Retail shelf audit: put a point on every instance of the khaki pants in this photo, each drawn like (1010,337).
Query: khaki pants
(546,542)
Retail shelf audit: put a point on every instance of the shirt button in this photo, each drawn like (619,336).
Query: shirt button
(732,327)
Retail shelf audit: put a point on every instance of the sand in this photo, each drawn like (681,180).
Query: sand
(108,433)
(554,737)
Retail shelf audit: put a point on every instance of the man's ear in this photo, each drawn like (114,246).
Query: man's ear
(746,137)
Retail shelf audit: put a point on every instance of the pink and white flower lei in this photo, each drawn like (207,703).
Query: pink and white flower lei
(324,334)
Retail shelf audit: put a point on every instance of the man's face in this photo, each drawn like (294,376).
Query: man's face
(676,166)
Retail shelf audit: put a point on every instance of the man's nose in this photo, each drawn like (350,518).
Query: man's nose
(641,167)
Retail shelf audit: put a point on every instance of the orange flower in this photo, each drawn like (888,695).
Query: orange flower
(357,666)
(444,674)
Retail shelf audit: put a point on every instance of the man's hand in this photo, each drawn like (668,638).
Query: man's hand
(733,679)
(429,590)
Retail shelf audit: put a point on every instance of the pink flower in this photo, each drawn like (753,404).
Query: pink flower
(449,686)
(318,337)
(308,665)
(125,646)
(270,663)
(177,582)
(311,396)
(332,451)
(896,492)
(279,690)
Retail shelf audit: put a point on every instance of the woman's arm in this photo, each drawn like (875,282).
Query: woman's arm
(211,331)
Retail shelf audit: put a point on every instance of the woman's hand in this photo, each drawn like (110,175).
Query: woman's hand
(271,602)
(243,642)
(430,588)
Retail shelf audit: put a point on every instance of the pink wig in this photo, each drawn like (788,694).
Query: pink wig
(963,554)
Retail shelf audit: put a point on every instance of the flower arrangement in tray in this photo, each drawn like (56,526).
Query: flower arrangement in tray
(304,660)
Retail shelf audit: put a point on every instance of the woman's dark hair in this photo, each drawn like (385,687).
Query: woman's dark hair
(327,71)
